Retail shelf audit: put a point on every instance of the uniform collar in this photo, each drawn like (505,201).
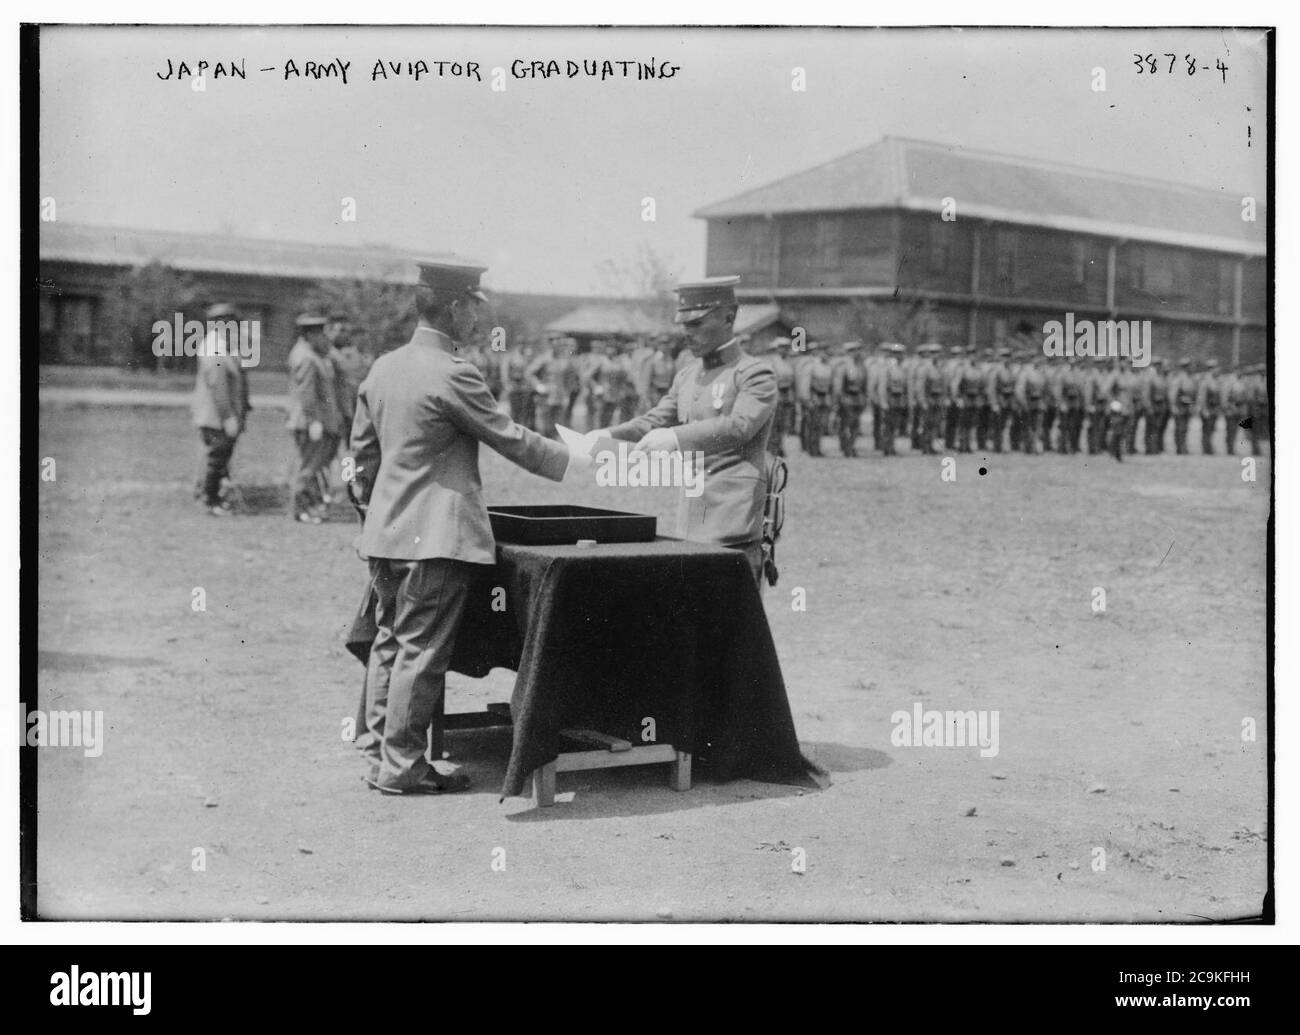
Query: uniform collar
(720,356)
(426,335)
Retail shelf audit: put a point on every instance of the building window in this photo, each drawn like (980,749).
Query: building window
(49,315)
(1161,272)
(78,318)
(1135,260)
(1005,245)
(759,240)
(1227,287)
(826,242)
(1081,262)
(940,249)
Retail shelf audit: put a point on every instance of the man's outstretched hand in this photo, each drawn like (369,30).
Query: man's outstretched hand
(660,440)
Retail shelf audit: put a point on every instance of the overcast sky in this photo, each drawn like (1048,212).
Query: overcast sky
(544,180)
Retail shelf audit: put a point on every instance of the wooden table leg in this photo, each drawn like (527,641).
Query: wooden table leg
(679,772)
(544,785)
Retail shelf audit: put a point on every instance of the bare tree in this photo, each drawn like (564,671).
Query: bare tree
(647,277)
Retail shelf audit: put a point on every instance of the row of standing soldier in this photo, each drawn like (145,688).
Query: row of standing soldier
(1005,399)
(962,398)
(966,400)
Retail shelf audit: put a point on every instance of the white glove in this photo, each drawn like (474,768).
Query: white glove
(579,465)
(231,427)
(660,440)
(315,430)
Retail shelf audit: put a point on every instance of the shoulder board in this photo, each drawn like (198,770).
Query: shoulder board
(748,362)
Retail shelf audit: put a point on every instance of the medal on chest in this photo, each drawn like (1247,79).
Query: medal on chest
(719,390)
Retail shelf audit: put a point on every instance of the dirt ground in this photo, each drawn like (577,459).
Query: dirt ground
(1120,732)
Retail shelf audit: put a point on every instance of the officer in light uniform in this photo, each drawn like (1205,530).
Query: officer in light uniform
(784,423)
(220,408)
(931,387)
(421,413)
(813,390)
(1209,403)
(722,403)
(1000,389)
(1182,400)
(891,389)
(314,417)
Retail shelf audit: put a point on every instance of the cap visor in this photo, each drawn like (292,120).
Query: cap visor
(691,315)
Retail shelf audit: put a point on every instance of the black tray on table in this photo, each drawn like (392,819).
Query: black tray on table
(553,524)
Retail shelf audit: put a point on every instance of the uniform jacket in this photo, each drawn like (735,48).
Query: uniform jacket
(220,390)
(813,377)
(1125,387)
(312,393)
(1209,394)
(891,385)
(729,423)
(350,366)
(1000,386)
(1182,393)
(849,382)
(1031,388)
(550,375)
(421,414)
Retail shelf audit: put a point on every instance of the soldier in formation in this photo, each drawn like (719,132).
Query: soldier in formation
(849,395)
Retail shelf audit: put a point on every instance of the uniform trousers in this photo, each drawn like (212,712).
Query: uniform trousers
(418,611)
(218,447)
(313,458)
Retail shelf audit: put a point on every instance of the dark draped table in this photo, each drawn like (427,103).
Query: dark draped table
(609,636)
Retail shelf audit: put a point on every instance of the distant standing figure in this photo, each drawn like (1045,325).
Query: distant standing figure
(220,407)
(314,417)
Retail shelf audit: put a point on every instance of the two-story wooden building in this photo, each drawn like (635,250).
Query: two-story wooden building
(997,246)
